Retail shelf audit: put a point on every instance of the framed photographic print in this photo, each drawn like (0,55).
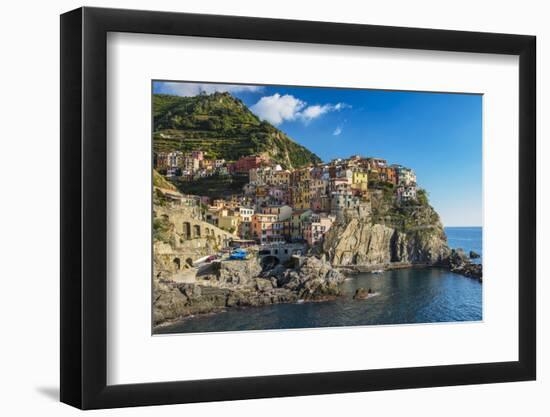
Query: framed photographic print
(257,208)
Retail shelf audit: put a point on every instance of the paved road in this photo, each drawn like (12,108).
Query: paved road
(189,276)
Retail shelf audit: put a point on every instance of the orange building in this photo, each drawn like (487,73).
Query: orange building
(388,174)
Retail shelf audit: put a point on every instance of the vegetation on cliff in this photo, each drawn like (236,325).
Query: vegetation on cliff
(215,186)
(404,216)
(160,186)
(223,127)
(162,229)
(160,182)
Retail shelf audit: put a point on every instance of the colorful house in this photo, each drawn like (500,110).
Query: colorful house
(360,180)
(198,155)
(405,176)
(316,227)
(283,212)
(388,174)
(262,227)
(406,193)
(298,221)
(245,214)
(300,196)
(229,223)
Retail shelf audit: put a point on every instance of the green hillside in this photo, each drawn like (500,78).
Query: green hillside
(161,182)
(223,127)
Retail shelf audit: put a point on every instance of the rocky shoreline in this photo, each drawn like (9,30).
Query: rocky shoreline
(231,284)
(456,263)
(241,284)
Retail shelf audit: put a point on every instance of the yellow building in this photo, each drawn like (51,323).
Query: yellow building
(300,176)
(281,178)
(229,223)
(359,180)
(359,177)
(300,196)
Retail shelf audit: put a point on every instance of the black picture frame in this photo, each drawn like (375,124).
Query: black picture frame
(84,207)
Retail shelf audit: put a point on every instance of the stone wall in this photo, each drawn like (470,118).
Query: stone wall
(188,227)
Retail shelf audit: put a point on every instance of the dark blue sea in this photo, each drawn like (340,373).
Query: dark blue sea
(405,296)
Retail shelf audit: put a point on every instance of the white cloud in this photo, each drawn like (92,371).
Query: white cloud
(277,108)
(312,112)
(340,106)
(194,89)
(337,131)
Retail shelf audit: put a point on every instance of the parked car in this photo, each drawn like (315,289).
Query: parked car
(238,255)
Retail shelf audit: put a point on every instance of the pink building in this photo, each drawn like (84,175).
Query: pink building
(279,194)
(262,227)
(197,155)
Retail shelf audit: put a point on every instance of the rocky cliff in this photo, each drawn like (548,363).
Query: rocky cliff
(409,234)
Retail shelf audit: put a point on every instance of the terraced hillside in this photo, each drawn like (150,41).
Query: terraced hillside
(223,127)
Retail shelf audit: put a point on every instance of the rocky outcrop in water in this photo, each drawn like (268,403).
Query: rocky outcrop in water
(362,294)
(242,284)
(459,263)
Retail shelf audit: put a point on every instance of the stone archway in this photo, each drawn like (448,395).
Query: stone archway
(269,262)
(177,263)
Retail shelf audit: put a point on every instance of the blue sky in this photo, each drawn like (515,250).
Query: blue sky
(438,135)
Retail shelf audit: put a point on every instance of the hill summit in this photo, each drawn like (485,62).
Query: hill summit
(223,127)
